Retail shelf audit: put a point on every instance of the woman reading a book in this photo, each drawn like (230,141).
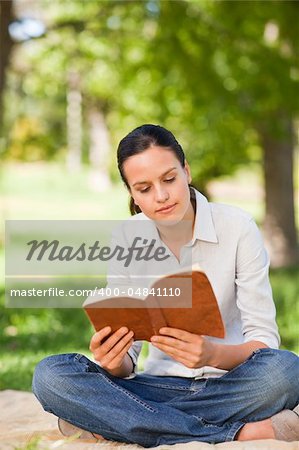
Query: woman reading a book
(194,387)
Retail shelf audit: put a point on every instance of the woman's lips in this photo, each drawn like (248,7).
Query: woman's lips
(166,209)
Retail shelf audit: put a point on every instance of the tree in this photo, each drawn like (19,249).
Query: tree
(224,79)
(268,40)
(6,17)
(239,69)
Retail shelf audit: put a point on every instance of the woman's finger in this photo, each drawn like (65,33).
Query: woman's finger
(170,342)
(97,338)
(178,334)
(110,341)
(175,352)
(114,351)
(117,360)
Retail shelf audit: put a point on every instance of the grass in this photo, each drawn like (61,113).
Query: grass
(286,294)
(28,335)
(47,191)
(33,444)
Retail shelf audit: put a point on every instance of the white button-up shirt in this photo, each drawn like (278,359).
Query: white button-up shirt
(228,246)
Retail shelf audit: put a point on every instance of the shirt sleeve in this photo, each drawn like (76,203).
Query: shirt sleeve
(134,353)
(253,290)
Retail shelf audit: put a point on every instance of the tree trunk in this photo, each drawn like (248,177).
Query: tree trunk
(99,150)
(74,122)
(6,17)
(279,224)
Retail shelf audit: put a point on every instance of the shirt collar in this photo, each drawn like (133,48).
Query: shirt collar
(204,229)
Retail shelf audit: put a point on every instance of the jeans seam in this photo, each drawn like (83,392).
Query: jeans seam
(234,429)
(88,427)
(79,356)
(84,426)
(85,364)
(127,393)
(253,355)
(165,386)
(181,398)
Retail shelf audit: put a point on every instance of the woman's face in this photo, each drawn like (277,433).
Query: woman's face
(159,184)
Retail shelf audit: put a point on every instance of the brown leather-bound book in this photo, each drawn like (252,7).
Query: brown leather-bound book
(183,300)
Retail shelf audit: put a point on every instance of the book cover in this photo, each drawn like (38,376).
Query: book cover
(184,300)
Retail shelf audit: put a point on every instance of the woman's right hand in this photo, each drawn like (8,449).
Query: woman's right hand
(111,352)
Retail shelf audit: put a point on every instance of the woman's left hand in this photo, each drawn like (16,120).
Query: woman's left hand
(190,349)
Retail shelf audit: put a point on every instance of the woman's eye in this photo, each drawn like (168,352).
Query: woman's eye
(144,190)
(169,180)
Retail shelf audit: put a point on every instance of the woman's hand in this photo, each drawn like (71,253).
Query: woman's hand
(197,351)
(190,349)
(112,352)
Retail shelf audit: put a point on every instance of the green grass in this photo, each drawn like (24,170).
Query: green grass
(33,444)
(47,191)
(28,335)
(286,295)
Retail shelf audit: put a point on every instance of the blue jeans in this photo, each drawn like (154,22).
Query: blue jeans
(150,410)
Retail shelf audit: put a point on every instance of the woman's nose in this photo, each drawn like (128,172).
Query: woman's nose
(161,195)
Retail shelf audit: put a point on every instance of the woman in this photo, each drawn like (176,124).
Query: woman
(194,387)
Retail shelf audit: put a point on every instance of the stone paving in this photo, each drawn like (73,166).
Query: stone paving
(23,421)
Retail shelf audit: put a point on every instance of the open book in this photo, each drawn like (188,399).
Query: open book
(183,300)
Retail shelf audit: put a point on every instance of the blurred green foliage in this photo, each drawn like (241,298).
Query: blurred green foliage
(217,76)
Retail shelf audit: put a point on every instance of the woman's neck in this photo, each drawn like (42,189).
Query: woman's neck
(181,232)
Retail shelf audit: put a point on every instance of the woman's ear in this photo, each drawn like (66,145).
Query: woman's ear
(130,193)
(188,172)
